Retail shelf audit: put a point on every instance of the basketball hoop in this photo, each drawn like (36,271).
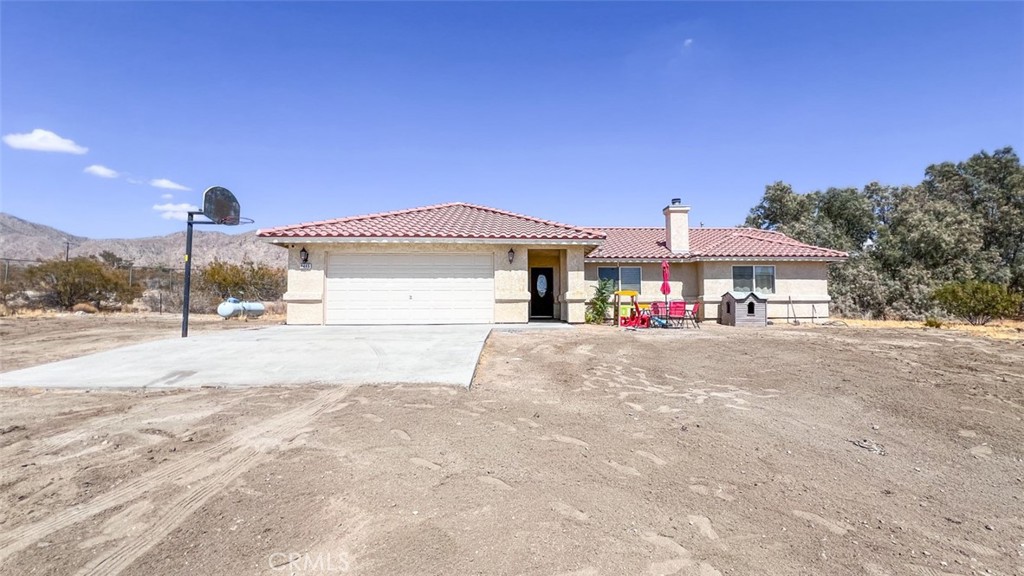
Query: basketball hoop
(221,207)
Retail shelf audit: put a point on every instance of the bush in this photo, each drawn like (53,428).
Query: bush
(932,322)
(597,308)
(247,281)
(66,283)
(977,302)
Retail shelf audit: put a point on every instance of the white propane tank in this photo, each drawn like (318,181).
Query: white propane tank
(234,307)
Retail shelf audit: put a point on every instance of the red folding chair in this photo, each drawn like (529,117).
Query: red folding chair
(677,312)
(691,314)
(659,315)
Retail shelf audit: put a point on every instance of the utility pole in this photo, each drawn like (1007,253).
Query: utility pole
(67,250)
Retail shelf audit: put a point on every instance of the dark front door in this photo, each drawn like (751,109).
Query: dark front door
(542,293)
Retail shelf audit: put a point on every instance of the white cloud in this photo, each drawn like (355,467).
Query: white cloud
(101,171)
(175,211)
(167,184)
(688,42)
(167,196)
(43,141)
(134,180)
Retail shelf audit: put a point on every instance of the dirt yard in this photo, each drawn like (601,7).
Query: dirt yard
(804,451)
(31,340)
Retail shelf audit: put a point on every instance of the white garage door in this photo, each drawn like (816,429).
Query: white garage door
(410,289)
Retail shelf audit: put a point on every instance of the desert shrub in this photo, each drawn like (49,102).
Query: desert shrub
(977,302)
(932,322)
(64,283)
(249,280)
(12,289)
(597,307)
(84,307)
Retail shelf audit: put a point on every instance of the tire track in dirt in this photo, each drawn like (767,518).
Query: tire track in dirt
(218,457)
(92,424)
(113,562)
(115,423)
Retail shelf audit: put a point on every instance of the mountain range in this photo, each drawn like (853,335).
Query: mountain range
(21,240)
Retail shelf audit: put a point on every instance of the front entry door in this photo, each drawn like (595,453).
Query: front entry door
(542,294)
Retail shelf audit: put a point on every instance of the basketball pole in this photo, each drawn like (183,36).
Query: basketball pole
(188,272)
(221,207)
(188,275)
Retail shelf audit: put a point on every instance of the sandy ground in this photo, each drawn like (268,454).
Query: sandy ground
(839,451)
(39,339)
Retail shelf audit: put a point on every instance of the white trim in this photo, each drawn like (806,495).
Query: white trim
(302,297)
(695,259)
(775,259)
(776,299)
(618,280)
(416,240)
(753,277)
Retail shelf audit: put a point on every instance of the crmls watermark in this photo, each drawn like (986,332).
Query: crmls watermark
(312,562)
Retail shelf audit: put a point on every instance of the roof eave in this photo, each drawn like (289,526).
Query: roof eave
(695,258)
(285,240)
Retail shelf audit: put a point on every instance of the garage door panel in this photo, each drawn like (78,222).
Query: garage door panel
(409,288)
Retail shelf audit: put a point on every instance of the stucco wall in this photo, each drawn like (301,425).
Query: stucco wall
(511,281)
(305,287)
(806,283)
(576,295)
(682,280)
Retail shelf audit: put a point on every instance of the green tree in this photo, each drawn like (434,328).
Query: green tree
(964,221)
(978,302)
(780,207)
(113,260)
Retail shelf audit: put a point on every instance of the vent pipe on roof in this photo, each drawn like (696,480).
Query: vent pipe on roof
(677,227)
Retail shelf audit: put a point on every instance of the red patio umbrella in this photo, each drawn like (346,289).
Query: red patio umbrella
(665,275)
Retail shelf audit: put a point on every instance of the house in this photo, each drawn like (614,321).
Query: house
(462,263)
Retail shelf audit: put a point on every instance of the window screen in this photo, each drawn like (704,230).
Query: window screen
(629,278)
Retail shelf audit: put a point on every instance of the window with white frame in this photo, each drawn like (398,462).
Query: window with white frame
(622,277)
(760,279)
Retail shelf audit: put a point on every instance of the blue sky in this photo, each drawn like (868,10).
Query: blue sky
(592,114)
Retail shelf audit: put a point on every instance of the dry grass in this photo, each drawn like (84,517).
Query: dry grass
(999,329)
(23,312)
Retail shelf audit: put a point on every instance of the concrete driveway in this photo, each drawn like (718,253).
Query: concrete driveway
(275,355)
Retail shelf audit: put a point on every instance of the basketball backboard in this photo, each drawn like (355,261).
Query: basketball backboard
(220,206)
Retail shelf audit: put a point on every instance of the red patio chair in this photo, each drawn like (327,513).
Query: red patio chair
(659,314)
(677,312)
(691,314)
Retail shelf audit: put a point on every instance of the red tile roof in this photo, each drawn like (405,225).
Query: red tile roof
(649,243)
(459,220)
(455,220)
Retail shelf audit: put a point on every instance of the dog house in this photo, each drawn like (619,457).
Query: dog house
(740,309)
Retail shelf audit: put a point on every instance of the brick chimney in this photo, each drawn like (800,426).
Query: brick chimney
(677,227)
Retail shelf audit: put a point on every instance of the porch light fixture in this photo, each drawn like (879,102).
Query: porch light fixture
(511,255)
(304,255)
